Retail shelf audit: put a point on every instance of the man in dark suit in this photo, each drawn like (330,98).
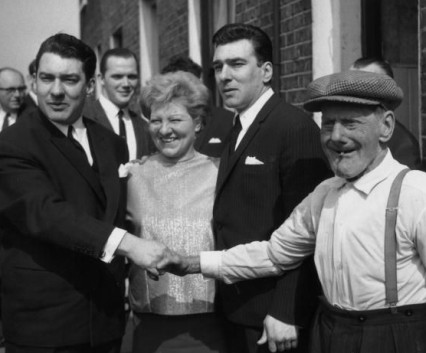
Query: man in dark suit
(119,79)
(211,140)
(273,159)
(12,92)
(61,205)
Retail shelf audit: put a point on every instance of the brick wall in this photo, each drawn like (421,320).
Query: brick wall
(295,40)
(296,49)
(101,18)
(173,29)
(422,39)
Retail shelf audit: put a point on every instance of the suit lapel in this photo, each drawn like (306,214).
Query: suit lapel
(229,163)
(101,116)
(102,150)
(81,165)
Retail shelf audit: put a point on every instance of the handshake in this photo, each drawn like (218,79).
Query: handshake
(157,258)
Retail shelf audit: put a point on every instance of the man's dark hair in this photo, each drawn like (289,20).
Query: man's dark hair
(119,52)
(67,46)
(365,61)
(32,69)
(182,63)
(236,31)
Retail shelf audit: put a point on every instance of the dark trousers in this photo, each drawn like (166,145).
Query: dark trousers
(110,347)
(243,339)
(373,331)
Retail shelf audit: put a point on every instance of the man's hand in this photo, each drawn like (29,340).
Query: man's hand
(144,253)
(179,265)
(279,335)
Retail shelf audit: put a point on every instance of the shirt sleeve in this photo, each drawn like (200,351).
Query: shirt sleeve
(112,244)
(287,248)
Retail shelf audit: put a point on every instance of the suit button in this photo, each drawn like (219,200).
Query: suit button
(219,226)
(408,312)
(361,318)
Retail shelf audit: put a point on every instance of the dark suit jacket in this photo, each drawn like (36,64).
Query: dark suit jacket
(211,140)
(253,200)
(56,214)
(404,147)
(144,145)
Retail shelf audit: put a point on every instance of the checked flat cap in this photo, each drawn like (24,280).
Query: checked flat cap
(356,86)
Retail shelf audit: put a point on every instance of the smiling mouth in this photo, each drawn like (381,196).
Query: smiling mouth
(167,139)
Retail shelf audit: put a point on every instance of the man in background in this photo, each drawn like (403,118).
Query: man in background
(403,145)
(12,92)
(30,99)
(119,75)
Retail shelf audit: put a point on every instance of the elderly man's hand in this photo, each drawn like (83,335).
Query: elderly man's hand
(279,335)
(179,265)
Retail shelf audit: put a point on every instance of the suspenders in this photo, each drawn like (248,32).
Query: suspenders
(390,241)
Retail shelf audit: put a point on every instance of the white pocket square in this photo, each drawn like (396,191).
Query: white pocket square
(253,161)
(215,140)
(123,170)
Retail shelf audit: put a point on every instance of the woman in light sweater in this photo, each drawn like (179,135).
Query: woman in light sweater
(170,199)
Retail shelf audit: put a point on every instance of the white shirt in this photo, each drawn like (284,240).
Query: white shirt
(80,134)
(111,111)
(247,116)
(12,118)
(343,223)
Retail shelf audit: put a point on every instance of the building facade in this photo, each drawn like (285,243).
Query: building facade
(311,38)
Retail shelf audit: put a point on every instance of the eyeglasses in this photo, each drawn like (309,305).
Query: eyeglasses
(11,90)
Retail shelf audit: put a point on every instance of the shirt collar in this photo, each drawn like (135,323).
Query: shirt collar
(247,116)
(110,108)
(367,182)
(78,126)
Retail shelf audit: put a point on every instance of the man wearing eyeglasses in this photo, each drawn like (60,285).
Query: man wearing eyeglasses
(12,93)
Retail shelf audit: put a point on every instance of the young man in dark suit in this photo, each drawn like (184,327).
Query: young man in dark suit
(119,80)
(273,160)
(61,205)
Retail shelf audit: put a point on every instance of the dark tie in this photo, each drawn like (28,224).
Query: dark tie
(235,131)
(74,141)
(5,122)
(121,126)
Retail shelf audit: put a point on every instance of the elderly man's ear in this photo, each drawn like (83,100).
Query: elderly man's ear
(387,126)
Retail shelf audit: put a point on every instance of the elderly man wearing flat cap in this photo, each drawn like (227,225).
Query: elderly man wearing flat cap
(366,227)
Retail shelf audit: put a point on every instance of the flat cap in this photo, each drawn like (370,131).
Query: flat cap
(356,86)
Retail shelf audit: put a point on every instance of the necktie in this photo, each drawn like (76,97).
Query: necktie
(74,141)
(235,131)
(5,122)
(121,126)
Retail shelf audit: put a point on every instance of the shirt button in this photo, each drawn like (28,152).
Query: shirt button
(361,318)
(408,312)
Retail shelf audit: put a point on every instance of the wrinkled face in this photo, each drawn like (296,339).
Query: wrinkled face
(61,87)
(173,130)
(239,77)
(351,136)
(120,80)
(12,91)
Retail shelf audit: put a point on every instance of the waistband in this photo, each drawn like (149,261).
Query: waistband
(412,312)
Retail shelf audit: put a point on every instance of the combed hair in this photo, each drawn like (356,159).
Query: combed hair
(67,46)
(237,31)
(365,61)
(182,63)
(116,52)
(179,86)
